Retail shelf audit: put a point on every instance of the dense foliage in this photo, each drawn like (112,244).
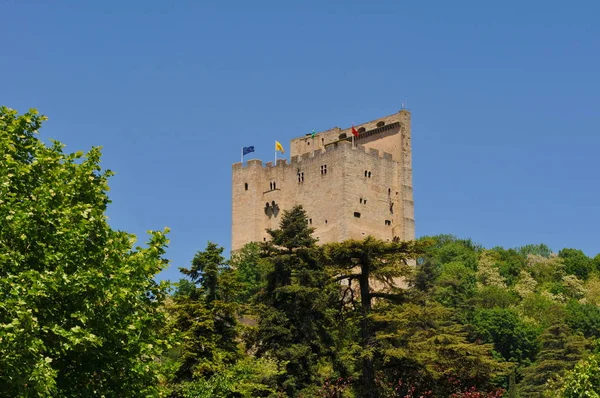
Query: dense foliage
(81,314)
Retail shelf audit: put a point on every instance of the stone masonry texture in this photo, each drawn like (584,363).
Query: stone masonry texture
(347,192)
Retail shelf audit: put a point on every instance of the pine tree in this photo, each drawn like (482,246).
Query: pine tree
(559,351)
(294,321)
(205,313)
(372,269)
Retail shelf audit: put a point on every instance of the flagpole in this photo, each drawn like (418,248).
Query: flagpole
(242,156)
(275,154)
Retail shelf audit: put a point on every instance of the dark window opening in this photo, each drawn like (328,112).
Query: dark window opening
(365,202)
(365,173)
(271,186)
(307,142)
(301,176)
(356,214)
(360,200)
(392,208)
(369,175)
(264,239)
(361,130)
(380,124)
(325,221)
(275,186)
(388,222)
(310,221)
(324,169)
(389,192)
(323,141)
(246,186)
(342,136)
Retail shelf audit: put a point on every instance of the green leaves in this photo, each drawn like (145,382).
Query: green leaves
(70,285)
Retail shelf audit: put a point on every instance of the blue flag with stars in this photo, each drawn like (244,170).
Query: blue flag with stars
(247,150)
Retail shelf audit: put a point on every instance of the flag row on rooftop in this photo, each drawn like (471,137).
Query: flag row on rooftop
(279,148)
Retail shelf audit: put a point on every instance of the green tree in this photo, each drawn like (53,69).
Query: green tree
(512,338)
(371,268)
(559,351)
(455,286)
(294,325)
(251,271)
(577,263)
(584,318)
(80,312)
(423,345)
(205,314)
(583,381)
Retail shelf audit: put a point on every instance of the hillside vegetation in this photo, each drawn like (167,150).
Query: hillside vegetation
(82,316)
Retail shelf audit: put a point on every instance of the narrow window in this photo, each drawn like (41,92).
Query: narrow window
(360,200)
(356,214)
(324,169)
(275,186)
(310,221)
(246,186)
(325,221)
(364,201)
(392,207)
(365,173)
(388,222)
(389,192)
(369,174)
(307,142)
(322,141)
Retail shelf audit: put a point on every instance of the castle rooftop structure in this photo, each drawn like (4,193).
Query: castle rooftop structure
(348,192)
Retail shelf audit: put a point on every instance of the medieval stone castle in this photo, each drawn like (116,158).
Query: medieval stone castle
(350,187)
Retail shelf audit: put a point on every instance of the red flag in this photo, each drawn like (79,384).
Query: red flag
(354,132)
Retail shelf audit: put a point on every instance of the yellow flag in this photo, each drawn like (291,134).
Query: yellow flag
(279,147)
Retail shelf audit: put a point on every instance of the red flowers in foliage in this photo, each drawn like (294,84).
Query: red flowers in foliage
(473,393)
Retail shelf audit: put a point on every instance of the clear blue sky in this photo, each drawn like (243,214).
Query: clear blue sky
(505,100)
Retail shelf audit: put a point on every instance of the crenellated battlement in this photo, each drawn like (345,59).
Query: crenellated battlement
(350,186)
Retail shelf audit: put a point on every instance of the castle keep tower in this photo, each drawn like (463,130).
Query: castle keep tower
(348,192)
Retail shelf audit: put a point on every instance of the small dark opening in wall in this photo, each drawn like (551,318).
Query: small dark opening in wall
(389,192)
(275,186)
(361,130)
(325,221)
(307,142)
(365,201)
(380,124)
(360,200)
(246,186)
(310,221)
(388,222)
(369,174)
(323,141)
(356,214)
(365,173)
(264,239)
(342,136)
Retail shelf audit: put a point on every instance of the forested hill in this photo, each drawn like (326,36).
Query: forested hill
(473,322)
(81,314)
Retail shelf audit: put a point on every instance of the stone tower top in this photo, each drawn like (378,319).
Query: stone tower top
(350,186)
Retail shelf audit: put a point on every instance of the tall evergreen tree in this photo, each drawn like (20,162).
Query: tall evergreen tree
(560,350)
(294,322)
(373,269)
(205,313)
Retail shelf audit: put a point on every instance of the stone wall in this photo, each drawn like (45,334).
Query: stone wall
(347,192)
